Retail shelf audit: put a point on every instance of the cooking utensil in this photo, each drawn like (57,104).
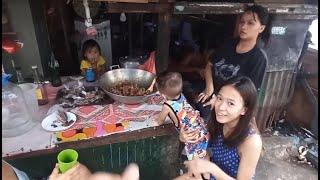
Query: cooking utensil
(113,77)
(132,61)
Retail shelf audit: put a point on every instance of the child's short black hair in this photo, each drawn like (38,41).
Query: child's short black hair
(88,44)
(169,83)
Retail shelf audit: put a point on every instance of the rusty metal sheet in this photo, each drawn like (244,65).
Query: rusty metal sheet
(286,42)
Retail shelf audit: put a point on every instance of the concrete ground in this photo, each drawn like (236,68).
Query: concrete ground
(279,162)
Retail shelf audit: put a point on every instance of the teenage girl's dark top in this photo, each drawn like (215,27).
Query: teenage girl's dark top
(227,63)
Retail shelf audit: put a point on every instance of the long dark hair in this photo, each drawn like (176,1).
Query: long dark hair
(265,19)
(248,92)
(88,44)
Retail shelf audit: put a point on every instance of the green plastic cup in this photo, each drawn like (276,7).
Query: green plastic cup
(67,159)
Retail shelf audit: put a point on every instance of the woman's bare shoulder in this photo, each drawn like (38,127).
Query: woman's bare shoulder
(252,143)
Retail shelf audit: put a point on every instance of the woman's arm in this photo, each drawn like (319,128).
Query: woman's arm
(8,172)
(249,151)
(209,84)
(258,70)
(201,166)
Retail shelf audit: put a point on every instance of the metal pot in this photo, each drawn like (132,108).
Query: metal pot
(132,62)
(113,77)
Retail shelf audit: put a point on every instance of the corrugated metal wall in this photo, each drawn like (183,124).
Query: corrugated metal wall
(283,53)
(276,93)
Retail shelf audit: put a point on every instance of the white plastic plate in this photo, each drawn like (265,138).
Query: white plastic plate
(50,123)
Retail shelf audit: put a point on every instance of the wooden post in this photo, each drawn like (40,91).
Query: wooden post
(141,31)
(163,39)
(129,15)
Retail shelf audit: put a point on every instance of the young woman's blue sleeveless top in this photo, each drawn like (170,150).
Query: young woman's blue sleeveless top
(227,158)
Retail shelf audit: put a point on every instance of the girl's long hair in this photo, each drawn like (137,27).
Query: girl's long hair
(265,19)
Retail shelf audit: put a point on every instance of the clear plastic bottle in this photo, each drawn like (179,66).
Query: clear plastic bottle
(41,90)
(16,119)
(20,78)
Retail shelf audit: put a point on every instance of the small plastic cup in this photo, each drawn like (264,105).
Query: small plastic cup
(67,159)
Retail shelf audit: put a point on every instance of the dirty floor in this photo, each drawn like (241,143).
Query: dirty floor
(278,161)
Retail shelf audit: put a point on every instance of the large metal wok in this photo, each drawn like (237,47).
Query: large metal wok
(113,77)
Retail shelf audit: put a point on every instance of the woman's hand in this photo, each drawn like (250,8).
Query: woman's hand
(198,166)
(130,173)
(205,95)
(78,172)
(188,136)
(211,102)
(209,84)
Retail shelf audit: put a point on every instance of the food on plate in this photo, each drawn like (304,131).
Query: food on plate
(63,118)
(129,89)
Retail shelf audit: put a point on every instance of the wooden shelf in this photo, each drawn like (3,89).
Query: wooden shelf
(138,8)
(236,8)
(137,1)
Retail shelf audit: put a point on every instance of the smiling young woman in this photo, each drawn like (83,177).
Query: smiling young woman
(235,144)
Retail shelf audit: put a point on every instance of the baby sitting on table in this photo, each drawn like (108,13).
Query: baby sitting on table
(181,112)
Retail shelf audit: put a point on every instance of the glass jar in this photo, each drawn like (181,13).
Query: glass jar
(29,92)
(16,118)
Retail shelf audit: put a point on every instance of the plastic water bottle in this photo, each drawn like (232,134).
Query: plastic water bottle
(90,76)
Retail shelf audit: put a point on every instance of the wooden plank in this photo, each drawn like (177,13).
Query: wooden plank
(138,8)
(282,1)
(136,1)
(163,40)
(126,1)
(167,129)
(236,8)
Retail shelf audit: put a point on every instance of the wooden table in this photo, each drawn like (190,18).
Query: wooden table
(119,149)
